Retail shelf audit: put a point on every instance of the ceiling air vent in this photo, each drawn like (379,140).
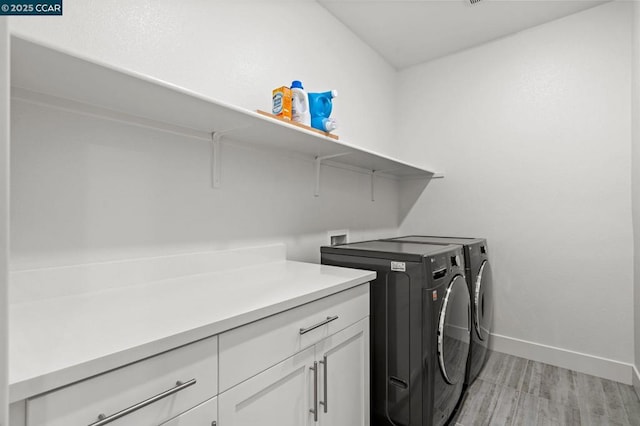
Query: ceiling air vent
(472,2)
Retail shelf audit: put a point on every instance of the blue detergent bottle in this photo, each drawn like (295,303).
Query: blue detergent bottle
(320,106)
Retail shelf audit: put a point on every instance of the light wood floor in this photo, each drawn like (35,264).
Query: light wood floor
(517,391)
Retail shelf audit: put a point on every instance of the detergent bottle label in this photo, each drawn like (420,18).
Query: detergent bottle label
(300,107)
(281,102)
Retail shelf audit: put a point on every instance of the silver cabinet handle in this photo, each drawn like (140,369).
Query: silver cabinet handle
(320,324)
(325,403)
(103,420)
(314,410)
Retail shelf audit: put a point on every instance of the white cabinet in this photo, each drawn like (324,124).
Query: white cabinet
(307,366)
(278,396)
(322,379)
(344,374)
(250,349)
(146,393)
(17,413)
(331,377)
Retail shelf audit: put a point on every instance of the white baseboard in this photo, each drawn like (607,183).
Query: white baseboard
(583,363)
(636,380)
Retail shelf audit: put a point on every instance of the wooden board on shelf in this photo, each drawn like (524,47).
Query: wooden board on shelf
(294,123)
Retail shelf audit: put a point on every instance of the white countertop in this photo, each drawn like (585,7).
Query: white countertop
(57,341)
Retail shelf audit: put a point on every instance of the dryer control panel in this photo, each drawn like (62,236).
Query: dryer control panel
(443,264)
(439,267)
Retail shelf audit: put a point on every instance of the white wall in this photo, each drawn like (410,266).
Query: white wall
(635,186)
(87,189)
(4,235)
(533,132)
(234,51)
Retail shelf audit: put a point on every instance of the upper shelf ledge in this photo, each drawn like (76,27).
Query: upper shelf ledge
(49,71)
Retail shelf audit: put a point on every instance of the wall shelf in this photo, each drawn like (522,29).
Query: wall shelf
(48,75)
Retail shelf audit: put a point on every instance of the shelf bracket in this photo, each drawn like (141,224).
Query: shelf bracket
(373,189)
(319,161)
(215,160)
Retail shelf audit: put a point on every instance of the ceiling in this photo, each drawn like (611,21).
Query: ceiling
(410,32)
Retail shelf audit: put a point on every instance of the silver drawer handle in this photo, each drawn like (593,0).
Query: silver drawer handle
(103,420)
(325,403)
(320,324)
(314,410)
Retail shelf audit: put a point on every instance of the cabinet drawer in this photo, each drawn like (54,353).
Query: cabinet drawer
(250,349)
(81,403)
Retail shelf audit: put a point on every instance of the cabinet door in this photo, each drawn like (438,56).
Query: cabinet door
(344,377)
(279,396)
(205,414)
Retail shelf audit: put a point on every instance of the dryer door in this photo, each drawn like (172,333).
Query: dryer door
(453,331)
(483,301)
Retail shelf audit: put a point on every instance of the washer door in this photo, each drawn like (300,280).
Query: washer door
(453,331)
(483,301)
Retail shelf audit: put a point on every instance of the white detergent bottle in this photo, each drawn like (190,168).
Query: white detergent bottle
(300,104)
